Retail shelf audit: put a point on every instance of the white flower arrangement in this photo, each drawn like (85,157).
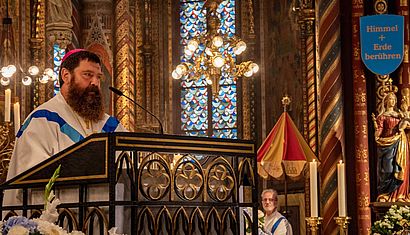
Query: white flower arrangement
(261,219)
(396,221)
(19,225)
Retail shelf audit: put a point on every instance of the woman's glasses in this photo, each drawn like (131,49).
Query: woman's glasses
(269,200)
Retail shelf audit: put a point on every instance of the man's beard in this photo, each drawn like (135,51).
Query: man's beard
(88,102)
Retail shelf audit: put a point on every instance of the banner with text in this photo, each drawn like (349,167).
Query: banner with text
(382,42)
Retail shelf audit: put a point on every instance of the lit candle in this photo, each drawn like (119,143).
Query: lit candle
(7,103)
(313,189)
(341,188)
(16,117)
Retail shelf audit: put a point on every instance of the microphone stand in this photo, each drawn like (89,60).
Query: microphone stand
(120,93)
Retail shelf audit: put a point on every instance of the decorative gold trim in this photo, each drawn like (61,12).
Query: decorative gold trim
(95,211)
(313,224)
(343,223)
(65,179)
(225,216)
(196,213)
(163,211)
(123,77)
(241,166)
(145,216)
(212,213)
(211,148)
(213,174)
(6,148)
(181,211)
(179,171)
(21,180)
(380,6)
(186,148)
(124,158)
(147,167)
(66,213)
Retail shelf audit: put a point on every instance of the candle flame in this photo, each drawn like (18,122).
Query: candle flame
(340,162)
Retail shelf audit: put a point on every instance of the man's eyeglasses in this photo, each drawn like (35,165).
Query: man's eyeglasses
(269,200)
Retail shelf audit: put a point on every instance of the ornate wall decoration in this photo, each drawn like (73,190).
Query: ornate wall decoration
(6,149)
(139,62)
(152,54)
(306,16)
(37,48)
(97,25)
(138,37)
(221,180)
(248,95)
(404,72)
(154,177)
(123,68)
(189,179)
(331,106)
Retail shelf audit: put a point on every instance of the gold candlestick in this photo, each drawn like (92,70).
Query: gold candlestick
(313,223)
(342,222)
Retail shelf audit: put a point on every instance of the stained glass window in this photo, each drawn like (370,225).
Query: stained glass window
(58,54)
(199,106)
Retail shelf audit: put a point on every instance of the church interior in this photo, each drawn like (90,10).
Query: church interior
(221,99)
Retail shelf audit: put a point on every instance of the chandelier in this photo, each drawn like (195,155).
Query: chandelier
(212,54)
(9,67)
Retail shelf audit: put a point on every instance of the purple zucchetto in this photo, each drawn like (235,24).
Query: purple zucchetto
(68,54)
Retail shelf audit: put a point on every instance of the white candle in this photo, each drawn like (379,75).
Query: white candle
(7,103)
(341,188)
(16,117)
(314,210)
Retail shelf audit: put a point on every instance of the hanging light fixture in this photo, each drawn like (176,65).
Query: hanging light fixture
(8,64)
(212,53)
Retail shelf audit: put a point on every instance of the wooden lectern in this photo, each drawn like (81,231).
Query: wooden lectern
(146,184)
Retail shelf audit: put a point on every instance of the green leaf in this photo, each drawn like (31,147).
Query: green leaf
(50,185)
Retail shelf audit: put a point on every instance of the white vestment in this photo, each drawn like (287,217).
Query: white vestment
(283,228)
(49,129)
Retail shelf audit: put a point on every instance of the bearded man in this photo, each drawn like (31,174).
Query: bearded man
(73,114)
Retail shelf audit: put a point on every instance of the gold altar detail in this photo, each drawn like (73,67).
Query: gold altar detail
(305,12)
(37,54)
(313,224)
(192,178)
(247,24)
(187,177)
(343,223)
(123,110)
(384,85)
(6,148)
(139,39)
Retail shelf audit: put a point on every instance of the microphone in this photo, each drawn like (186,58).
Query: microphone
(120,93)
